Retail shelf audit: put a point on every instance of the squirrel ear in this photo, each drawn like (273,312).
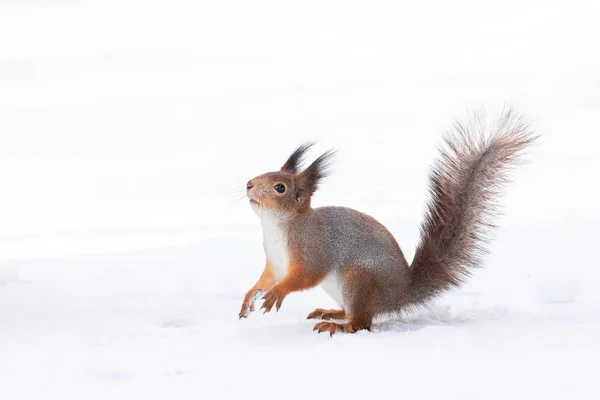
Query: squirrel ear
(300,195)
(307,181)
(296,158)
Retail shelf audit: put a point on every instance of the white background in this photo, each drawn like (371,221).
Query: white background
(129,128)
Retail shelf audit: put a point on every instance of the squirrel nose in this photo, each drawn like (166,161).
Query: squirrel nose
(249,185)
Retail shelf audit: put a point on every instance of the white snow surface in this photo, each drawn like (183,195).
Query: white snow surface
(128,130)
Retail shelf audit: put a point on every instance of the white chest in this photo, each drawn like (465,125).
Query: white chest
(276,244)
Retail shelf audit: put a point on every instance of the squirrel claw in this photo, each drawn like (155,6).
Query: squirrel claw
(332,328)
(248,304)
(245,311)
(273,297)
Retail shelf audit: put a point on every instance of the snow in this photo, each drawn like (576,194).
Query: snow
(163,323)
(128,130)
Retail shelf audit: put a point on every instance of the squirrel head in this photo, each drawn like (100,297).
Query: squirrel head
(289,190)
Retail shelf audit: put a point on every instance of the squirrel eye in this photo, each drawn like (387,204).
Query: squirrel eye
(279,188)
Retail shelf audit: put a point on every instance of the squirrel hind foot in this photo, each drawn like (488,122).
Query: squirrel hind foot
(333,327)
(321,313)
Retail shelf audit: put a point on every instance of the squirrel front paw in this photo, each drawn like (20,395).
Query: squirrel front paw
(273,297)
(247,308)
(248,304)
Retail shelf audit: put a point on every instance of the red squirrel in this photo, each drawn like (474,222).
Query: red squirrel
(355,258)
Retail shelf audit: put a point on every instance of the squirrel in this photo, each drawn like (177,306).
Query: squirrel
(354,258)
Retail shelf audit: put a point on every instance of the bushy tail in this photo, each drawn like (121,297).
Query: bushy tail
(464,185)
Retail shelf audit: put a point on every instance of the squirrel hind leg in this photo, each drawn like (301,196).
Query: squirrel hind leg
(361,298)
(321,313)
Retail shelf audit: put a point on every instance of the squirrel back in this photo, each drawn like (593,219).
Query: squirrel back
(355,258)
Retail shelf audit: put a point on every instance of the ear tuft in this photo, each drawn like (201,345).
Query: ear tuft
(308,180)
(293,163)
